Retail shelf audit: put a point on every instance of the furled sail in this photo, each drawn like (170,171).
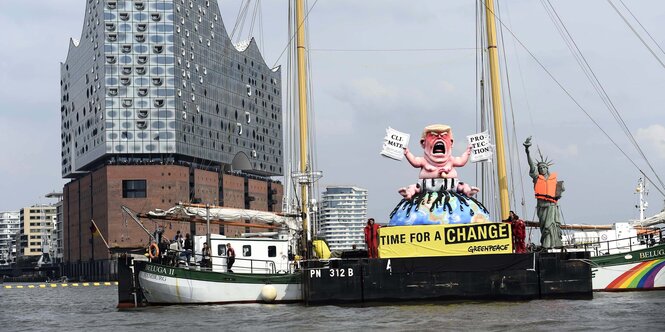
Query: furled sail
(227,214)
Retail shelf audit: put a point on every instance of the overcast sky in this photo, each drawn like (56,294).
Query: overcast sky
(425,74)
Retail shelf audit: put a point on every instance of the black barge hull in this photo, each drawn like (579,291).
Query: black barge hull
(480,277)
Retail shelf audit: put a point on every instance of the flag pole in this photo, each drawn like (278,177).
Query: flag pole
(100,234)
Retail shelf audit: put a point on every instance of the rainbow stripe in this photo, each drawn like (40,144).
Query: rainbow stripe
(640,276)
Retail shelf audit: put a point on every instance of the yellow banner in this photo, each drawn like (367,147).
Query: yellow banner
(445,240)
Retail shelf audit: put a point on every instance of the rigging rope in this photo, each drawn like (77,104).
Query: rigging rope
(595,82)
(637,34)
(293,33)
(570,96)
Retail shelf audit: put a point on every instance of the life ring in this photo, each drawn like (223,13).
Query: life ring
(153,251)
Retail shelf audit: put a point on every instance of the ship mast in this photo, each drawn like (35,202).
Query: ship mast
(495,81)
(642,191)
(302,115)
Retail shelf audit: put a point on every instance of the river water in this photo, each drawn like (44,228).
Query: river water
(93,308)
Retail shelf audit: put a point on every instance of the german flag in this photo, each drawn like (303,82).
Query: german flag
(94,230)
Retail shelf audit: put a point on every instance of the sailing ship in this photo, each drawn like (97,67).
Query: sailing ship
(262,272)
(625,256)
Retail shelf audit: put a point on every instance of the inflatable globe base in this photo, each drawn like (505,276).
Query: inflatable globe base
(438,207)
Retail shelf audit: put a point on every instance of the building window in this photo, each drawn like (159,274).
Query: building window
(134,188)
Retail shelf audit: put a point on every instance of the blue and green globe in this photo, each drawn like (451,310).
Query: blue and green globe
(438,207)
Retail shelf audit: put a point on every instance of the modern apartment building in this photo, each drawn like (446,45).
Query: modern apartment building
(342,217)
(37,226)
(57,237)
(9,227)
(158,106)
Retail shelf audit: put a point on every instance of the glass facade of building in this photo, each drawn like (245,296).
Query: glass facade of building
(160,81)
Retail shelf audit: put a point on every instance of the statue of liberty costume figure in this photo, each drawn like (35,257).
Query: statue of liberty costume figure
(548,192)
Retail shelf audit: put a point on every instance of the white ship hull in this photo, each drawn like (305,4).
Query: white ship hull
(172,285)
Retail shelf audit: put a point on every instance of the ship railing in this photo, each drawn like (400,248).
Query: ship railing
(178,257)
(616,246)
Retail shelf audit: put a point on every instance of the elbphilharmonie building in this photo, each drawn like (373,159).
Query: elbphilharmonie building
(159,106)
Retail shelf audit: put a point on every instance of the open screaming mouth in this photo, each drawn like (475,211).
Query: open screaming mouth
(439,147)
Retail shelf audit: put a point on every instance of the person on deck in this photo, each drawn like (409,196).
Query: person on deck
(230,257)
(519,232)
(371,238)
(205,256)
(189,247)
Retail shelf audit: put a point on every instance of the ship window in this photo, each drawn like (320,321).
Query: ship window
(221,250)
(246,251)
(134,188)
(272,251)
